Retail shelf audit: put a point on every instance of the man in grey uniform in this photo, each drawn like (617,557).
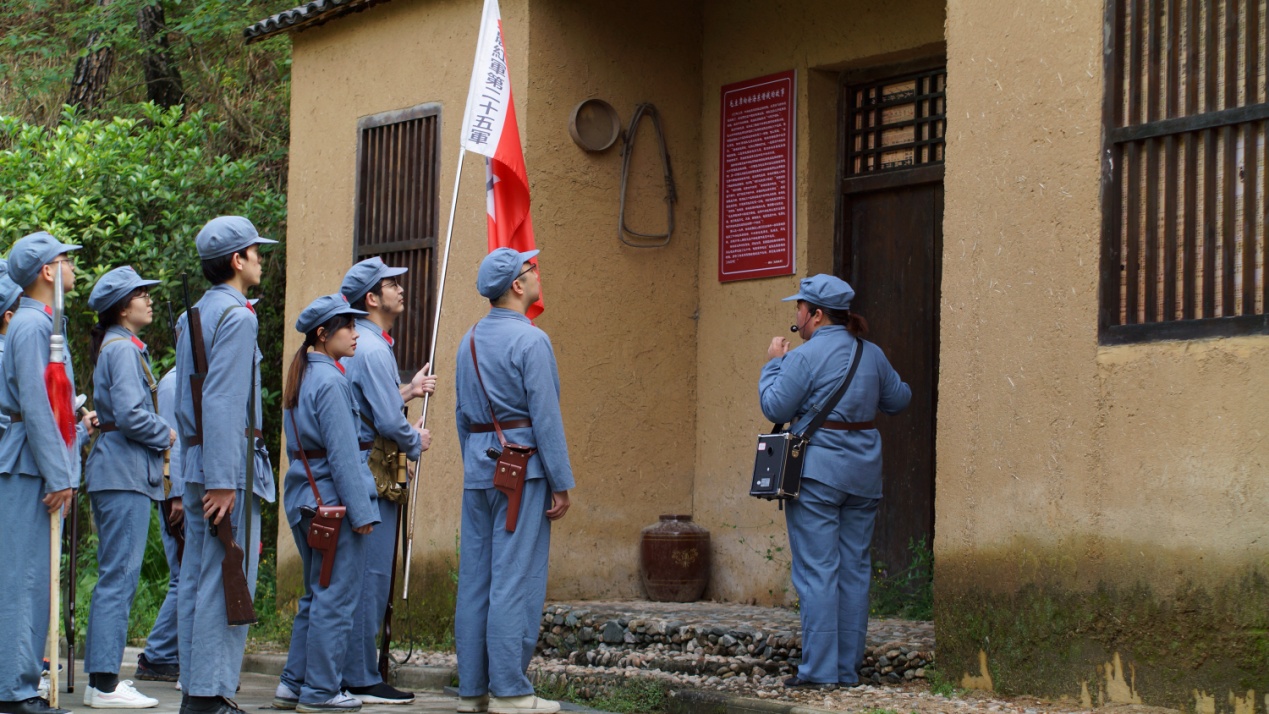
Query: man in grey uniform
(371,286)
(214,463)
(38,471)
(501,573)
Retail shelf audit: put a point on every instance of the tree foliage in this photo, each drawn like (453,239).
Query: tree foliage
(133,183)
(136,192)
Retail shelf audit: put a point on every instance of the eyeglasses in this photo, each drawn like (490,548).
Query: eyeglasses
(391,283)
(533,268)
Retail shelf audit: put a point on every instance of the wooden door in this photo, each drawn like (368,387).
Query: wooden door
(895,248)
(890,247)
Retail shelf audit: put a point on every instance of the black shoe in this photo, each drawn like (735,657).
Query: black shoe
(34,705)
(795,683)
(209,705)
(151,672)
(381,693)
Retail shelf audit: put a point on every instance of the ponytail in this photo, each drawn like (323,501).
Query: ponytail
(856,325)
(295,373)
(97,336)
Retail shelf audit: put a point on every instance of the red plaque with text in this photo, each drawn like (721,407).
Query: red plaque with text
(755,212)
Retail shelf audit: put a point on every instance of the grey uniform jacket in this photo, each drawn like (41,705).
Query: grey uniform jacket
(129,458)
(849,461)
(233,360)
(326,418)
(167,410)
(4,416)
(376,387)
(34,445)
(518,366)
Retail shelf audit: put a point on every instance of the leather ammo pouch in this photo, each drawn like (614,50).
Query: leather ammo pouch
(323,531)
(513,461)
(777,469)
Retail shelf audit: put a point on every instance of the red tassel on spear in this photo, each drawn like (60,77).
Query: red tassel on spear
(55,379)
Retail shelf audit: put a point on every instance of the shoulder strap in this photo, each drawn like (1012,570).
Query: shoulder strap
(220,322)
(821,413)
(476,363)
(299,446)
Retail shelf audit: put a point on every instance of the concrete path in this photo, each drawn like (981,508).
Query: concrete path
(256,694)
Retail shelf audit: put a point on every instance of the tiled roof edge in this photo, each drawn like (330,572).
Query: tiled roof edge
(310,14)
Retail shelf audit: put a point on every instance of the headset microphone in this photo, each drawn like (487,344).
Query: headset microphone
(798,328)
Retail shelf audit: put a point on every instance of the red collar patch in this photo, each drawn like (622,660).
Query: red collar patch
(137,341)
(387,338)
(341,367)
(48,309)
(249,307)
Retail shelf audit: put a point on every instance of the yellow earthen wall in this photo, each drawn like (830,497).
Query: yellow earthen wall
(622,320)
(1156,450)
(743,40)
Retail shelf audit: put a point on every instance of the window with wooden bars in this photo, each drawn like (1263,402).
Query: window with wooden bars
(396,216)
(1184,170)
(896,123)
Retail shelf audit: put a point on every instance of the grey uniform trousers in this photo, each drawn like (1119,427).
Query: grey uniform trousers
(24,582)
(211,650)
(161,646)
(123,522)
(322,630)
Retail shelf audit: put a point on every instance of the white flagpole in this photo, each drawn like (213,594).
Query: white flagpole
(436,324)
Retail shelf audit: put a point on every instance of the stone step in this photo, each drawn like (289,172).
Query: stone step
(714,640)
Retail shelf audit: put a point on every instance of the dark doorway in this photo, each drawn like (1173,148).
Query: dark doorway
(890,249)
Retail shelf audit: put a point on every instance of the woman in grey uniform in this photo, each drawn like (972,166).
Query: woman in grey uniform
(321,418)
(124,475)
(830,523)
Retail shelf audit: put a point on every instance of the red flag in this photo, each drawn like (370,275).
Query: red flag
(490,129)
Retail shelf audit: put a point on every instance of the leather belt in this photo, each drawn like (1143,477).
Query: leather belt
(198,440)
(15,418)
(508,424)
(321,453)
(849,425)
(106,428)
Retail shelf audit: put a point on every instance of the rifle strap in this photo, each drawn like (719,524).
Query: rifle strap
(476,363)
(145,367)
(822,411)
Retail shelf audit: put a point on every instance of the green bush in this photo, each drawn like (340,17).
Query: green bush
(908,593)
(132,191)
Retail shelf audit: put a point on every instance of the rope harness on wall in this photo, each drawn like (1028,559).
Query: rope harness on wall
(671,195)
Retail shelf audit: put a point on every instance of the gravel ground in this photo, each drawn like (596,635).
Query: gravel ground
(899,698)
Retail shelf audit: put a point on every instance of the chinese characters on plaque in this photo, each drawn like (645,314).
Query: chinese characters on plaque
(756,211)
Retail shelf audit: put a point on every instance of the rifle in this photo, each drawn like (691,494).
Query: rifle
(385,636)
(238,606)
(165,506)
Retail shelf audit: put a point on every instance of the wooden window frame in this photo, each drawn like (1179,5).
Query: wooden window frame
(847,185)
(413,331)
(1139,299)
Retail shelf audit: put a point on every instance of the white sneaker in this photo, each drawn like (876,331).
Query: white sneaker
(527,704)
(43,689)
(342,702)
(285,698)
(473,705)
(125,696)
